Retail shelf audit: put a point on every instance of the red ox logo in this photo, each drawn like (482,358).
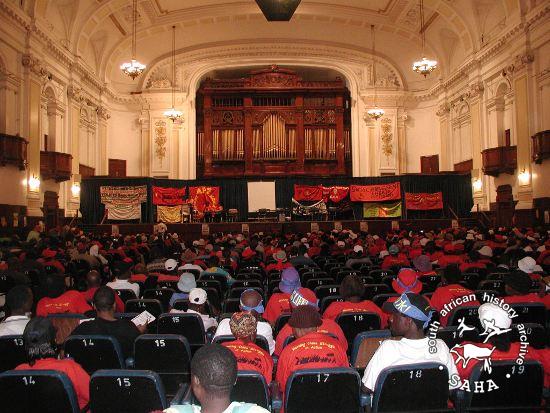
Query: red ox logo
(473,352)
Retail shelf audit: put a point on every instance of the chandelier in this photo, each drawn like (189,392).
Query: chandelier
(133,68)
(374,113)
(173,113)
(424,66)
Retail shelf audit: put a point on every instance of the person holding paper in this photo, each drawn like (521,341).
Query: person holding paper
(105,322)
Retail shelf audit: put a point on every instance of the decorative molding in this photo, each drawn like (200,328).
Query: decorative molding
(160,140)
(35,66)
(386,137)
(443,109)
(75,93)
(102,113)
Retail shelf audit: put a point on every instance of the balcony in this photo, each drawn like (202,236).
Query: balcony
(541,146)
(464,166)
(502,159)
(56,166)
(13,151)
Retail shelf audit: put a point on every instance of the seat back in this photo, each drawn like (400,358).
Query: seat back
(534,313)
(365,345)
(536,334)
(235,292)
(323,291)
(12,349)
(403,388)
(153,306)
(139,391)
(168,355)
(374,289)
(94,352)
(251,387)
(469,313)
(161,294)
(450,335)
(328,300)
(48,391)
(355,323)
(519,387)
(313,283)
(380,299)
(280,323)
(323,390)
(126,295)
(188,325)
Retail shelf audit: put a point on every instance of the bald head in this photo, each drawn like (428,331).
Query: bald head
(251,298)
(93,279)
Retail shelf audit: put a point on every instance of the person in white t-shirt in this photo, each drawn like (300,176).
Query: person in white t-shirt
(252,302)
(19,301)
(213,374)
(197,301)
(122,276)
(410,315)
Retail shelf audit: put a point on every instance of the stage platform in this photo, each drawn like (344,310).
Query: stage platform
(192,231)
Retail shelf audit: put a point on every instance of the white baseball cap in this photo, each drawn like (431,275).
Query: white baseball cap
(358,248)
(197,296)
(490,314)
(170,264)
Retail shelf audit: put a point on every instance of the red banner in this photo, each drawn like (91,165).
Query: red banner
(168,196)
(308,192)
(375,193)
(205,198)
(424,201)
(335,193)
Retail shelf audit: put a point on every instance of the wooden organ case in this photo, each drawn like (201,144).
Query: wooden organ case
(273,123)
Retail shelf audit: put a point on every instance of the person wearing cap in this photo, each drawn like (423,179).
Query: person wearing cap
(410,316)
(57,300)
(213,268)
(472,262)
(352,290)
(170,265)
(248,354)
(278,302)
(280,263)
(394,258)
(304,296)
(449,292)
(301,256)
(48,258)
(504,349)
(189,257)
(485,254)
(105,322)
(517,286)
(93,282)
(529,266)
(80,254)
(197,305)
(358,257)
(453,255)
(311,349)
(423,266)
(42,354)
(122,274)
(185,284)
(406,281)
(213,375)
(251,302)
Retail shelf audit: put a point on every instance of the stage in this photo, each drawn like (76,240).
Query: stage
(192,231)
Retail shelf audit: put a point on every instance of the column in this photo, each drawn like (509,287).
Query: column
(340,168)
(75,98)
(445,158)
(207,139)
(103,117)
(248,141)
(300,143)
(402,142)
(55,112)
(9,84)
(480,195)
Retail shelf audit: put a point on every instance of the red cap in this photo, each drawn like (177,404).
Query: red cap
(48,253)
(247,253)
(407,282)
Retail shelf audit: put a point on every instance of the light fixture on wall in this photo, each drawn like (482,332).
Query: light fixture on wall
(75,189)
(374,113)
(133,68)
(523,177)
(423,66)
(278,10)
(34,184)
(477,184)
(172,113)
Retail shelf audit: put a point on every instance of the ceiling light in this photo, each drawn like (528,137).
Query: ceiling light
(278,10)
(173,113)
(374,113)
(133,68)
(423,66)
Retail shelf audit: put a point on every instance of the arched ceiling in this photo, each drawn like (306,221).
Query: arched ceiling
(99,31)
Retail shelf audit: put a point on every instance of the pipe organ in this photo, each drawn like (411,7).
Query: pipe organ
(273,123)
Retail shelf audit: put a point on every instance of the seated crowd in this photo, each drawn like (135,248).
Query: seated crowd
(280,303)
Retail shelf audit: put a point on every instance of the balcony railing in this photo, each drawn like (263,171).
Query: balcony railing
(56,166)
(502,159)
(13,151)
(464,166)
(541,146)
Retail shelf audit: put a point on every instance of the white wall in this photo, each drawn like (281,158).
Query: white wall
(124,140)
(422,131)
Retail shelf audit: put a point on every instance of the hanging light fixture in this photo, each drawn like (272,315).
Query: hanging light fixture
(133,68)
(423,66)
(172,113)
(278,10)
(374,113)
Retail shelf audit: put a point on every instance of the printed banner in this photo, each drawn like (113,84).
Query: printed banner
(423,201)
(168,196)
(308,192)
(382,210)
(375,193)
(205,198)
(123,195)
(123,212)
(335,193)
(169,214)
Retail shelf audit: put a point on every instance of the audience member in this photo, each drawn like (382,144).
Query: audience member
(19,302)
(57,300)
(41,350)
(197,305)
(185,284)
(302,257)
(278,302)
(93,282)
(122,278)
(358,257)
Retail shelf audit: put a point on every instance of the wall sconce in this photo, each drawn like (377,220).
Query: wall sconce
(523,177)
(75,189)
(34,184)
(477,184)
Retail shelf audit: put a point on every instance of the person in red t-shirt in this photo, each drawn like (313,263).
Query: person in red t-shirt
(473,262)
(491,314)
(443,297)
(304,296)
(406,282)
(39,338)
(395,258)
(311,349)
(58,300)
(453,255)
(249,356)
(280,264)
(278,302)
(93,281)
(518,287)
(352,289)
(423,266)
